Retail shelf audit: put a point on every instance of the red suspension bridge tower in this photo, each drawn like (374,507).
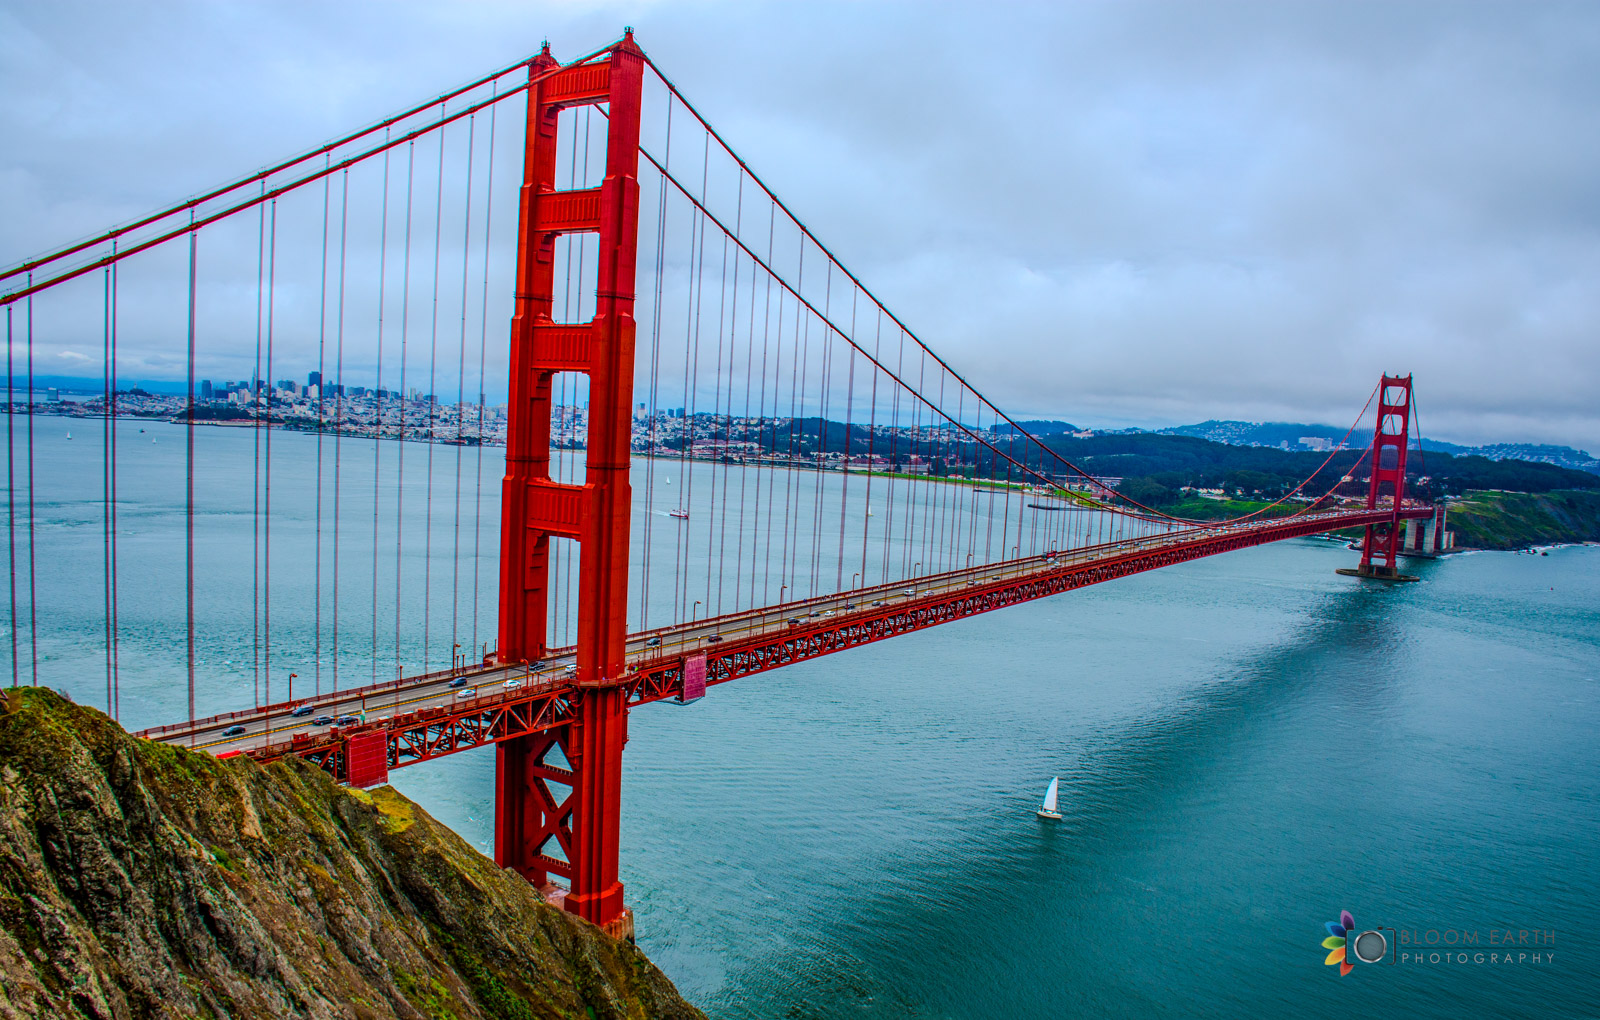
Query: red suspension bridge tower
(1390,439)
(544,804)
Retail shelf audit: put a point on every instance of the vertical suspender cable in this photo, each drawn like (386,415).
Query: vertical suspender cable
(400,438)
(849,414)
(322,389)
(33,601)
(433,375)
(11,500)
(188,485)
(266,473)
(483,351)
(338,413)
(255,428)
(105,474)
(655,381)
(377,396)
(461,362)
(116,628)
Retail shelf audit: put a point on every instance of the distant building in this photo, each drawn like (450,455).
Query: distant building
(314,379)
(205,389)
(52,396)
(1316,444)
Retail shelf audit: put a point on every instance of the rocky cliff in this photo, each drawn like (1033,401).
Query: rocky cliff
(1517,520)
(141,880)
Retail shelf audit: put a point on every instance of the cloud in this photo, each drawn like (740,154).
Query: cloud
(1119,213)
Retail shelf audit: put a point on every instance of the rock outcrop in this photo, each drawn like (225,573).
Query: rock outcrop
(142,880)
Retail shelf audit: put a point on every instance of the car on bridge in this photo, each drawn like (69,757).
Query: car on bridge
(714,638)
(654,642)
(512,684)
(233,731)
(347,720)
(794,621)
(469,692)
(322,720)
(459,681)
(303,711)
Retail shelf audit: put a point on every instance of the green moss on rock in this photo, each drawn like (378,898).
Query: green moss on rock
(142,880)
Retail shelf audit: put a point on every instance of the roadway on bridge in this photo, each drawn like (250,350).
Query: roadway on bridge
(375,703)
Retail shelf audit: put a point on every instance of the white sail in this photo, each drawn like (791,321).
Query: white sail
(1050,794)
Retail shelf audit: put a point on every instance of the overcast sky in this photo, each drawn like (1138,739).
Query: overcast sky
(1111,213)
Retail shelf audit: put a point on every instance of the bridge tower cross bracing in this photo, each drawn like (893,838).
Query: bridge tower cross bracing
(1391,433)
(530,813)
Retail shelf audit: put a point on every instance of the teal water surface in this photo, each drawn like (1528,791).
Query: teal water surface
(1247,745)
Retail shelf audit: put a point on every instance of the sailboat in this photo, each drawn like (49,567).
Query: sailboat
(680,513)
(1049,809)
(869,511)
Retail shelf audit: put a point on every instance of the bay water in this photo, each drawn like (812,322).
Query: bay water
(1247,745)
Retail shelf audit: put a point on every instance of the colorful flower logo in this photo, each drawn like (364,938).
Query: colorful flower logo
(1334,943)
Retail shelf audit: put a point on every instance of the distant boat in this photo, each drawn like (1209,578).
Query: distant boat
(869,511)
(680,513)
(1049,809)
(69,435)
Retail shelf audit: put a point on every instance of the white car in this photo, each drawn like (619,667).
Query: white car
(468,692)
(512,684)
(571,668)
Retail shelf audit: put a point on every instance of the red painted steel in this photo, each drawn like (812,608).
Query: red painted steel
(1391,433)
(530,819)
(507,717)
(367,759)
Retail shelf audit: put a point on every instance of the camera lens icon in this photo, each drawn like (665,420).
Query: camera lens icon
(1369,947)
(1375,945)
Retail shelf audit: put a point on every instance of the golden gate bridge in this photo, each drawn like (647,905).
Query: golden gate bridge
(661,296)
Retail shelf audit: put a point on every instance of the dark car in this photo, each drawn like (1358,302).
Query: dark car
(233,731)
(794,621)
(714,638)
(322,720)
(303,710)
(347,720)
(459,681)
(654,642)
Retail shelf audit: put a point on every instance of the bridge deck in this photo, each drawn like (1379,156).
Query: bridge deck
(440,713)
